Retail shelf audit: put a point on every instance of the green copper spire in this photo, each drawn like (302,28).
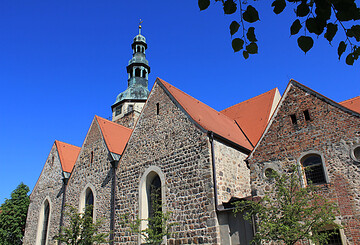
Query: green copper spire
(138,70)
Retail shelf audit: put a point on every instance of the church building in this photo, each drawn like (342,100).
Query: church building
(197,160)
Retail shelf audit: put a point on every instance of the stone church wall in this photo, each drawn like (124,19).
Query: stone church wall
(170,142)
(97,175)
(232,174)
(49,186)
(330,132)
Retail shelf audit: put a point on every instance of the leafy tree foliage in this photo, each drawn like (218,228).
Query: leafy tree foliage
(13,216)
(311,16)
(158,224)
(289,213)
(81,229)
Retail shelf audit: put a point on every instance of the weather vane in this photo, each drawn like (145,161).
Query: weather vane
(140,26)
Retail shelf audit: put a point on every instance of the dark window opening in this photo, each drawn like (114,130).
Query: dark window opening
(270,173)
(357,153)
(307,115)
(45,223)
(137,49)
(137,72)
(130,108)
(334,238)
(293,119)
(144,74)
(52,160)
(314,170)
(92,157)
(157,108)
(89,201)
(118,110)
(155,205)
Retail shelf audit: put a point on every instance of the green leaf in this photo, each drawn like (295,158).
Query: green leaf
(341,48)
(252,48)
(305,43)
(354,31)
(251,34)
(331,30)
(302,9)
(234,27)
(203,4)
(251,14)
(279,6)
(315,25)
(295,27)
(245,54)
(350,59)
(237,44)
(229,7)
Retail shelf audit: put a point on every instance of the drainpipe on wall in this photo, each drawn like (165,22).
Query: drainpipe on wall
(211,139)
(65,182)
(114,164)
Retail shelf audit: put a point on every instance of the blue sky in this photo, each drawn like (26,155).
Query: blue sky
(62,62)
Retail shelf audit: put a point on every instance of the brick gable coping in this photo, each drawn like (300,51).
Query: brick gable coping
(309,91)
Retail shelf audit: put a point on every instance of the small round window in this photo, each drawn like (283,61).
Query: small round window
(356,153)
(270,173)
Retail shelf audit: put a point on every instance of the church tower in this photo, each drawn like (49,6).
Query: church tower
(129,103)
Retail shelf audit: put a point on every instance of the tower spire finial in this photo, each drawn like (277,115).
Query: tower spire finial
(140,26)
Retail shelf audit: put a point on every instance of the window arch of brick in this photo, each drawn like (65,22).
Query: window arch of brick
(44,223)
(152,182)
(313,168)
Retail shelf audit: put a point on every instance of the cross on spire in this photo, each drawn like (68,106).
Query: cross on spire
(140,26)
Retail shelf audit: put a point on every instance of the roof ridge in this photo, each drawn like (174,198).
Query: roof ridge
(206,117)
(111,122)
(252,98)
(219,112)
(66,143)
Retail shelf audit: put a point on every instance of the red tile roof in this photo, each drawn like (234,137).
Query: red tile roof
(207,117)
(253,115)
(68,155)
(116,136)
(352,104)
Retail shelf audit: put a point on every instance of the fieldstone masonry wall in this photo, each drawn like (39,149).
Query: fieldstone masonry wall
(232,174)
(49,186)
(171,142)
(331,132)
(97,175)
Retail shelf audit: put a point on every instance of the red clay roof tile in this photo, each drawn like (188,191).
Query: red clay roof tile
(116,136)
(68,155)
(352,104)
(207,117)
(253,115)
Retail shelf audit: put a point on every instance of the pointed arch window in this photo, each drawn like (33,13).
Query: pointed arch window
(152,199)
(89,200)
(45,222)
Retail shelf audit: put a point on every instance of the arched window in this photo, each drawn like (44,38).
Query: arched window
(144,73)
(137,49)
(314,169)
(43,225)
(137,72)
(89,200)
(152,199)
(154,203)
